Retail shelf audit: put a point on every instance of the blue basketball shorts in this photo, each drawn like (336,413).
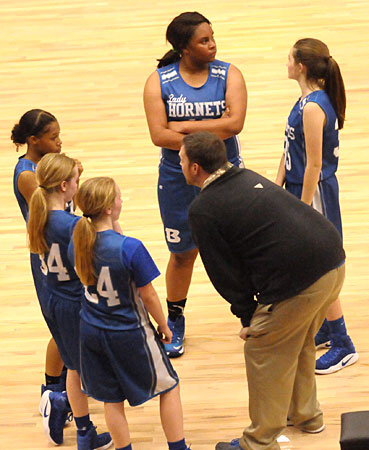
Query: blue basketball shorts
(39,278)
(326,199)
(62,318)
(175,197)
(118,365)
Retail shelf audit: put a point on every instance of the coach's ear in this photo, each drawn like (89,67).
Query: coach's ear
(195,167)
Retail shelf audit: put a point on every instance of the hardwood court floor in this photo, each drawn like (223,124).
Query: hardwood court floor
(86,62)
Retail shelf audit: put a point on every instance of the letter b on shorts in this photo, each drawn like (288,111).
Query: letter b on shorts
(172,235)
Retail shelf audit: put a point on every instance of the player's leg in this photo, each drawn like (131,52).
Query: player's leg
(53,364)
(171,416)
(117,424)
(342,352)
(175,196)
(87,437)
(178,279)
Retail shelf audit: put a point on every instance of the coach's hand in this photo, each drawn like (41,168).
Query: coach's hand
(244,332)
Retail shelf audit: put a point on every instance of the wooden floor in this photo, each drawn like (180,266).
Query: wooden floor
(86,62)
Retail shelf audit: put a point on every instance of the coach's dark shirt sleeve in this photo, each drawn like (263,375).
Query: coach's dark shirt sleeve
(225,270)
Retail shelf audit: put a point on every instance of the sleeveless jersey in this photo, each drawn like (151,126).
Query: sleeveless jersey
(23,165)
(26,165)
(61,276)
(184,102)
(294,142)
(122,265)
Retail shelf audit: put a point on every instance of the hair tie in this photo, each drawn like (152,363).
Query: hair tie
(86,215)
(42,187)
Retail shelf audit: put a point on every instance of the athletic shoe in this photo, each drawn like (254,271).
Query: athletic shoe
(233,445)
(322,336)
(90,440)
(340,355)
(322,341)
(175,348)
(55,408)
(49,387)
(316,430)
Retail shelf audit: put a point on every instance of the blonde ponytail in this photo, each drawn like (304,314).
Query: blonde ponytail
(94,197)
(51,171)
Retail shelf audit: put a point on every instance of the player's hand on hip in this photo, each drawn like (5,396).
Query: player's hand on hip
(165,334)
(244,332)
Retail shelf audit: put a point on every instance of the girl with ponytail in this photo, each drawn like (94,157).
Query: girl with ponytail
(309,164)
(50,230)
(39,130)
(190,91)
(122,357)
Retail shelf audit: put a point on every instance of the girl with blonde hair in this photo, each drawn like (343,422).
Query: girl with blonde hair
(50,229)
(122,357)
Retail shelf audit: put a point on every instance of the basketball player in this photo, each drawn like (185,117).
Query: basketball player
(40,131)
(122,357)
(309,164)
(50,229)
(190,91)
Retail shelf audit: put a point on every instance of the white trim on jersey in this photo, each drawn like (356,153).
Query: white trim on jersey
(317,200)
(161,378)
(164,380)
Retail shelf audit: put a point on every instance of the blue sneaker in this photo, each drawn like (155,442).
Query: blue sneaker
(233,445)
(90,440)
(322,336)
(341,354)
(50,387)
(175,348)
(55,408)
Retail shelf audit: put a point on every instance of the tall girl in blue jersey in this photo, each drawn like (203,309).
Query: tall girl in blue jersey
(309,164)
(122,357)
(190,91)
(50,229)
(40,131)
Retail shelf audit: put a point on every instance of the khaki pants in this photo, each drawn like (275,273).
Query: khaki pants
(280,363)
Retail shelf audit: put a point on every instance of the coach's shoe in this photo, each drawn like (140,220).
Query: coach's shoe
(322,336)
(314,430)
(176,348)
(233,445)
(55,408)
(90,440)
(340,355)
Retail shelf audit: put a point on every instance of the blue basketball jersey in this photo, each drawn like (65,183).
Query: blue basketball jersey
(184,102)
(294,143)
(26,165)
(23,165)
(61,276)
(122,265)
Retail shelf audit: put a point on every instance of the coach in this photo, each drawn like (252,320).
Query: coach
(280,264)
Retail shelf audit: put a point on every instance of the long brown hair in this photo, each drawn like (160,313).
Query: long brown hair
(323,70)
(51,171)
(94,197)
